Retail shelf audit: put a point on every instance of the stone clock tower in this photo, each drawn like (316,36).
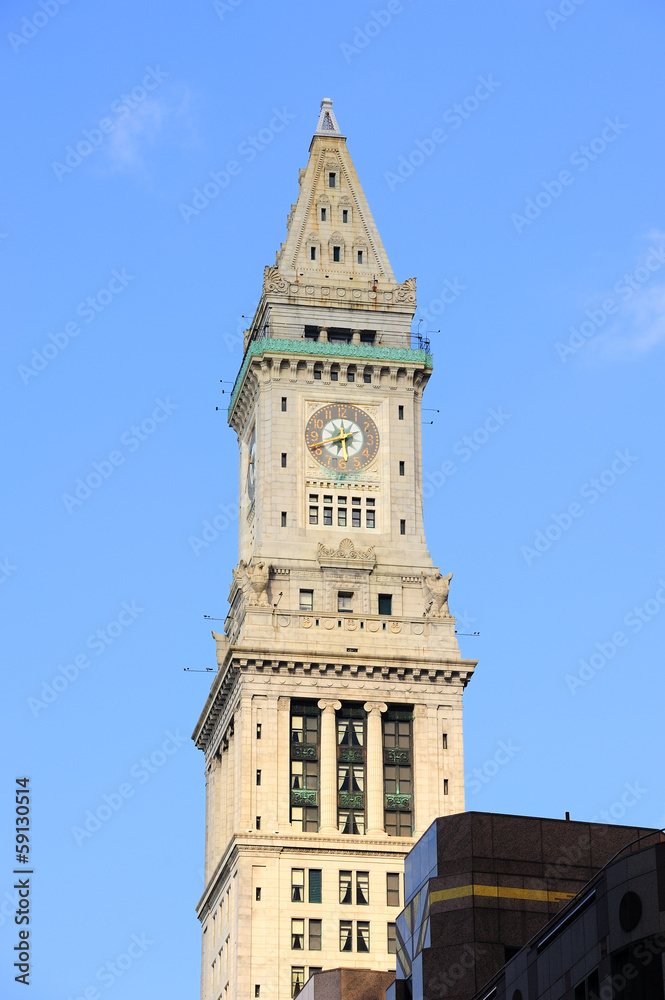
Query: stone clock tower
(333,729)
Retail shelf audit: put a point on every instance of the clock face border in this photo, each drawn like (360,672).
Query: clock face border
(349,418)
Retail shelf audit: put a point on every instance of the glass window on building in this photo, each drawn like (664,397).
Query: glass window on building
(314,883)
(392,888)
(297,885)
(397,771)
(304,729)
(297,934)
(314,935)
(362,935)
(351,821)
(362,888)
(346,935)
(350,778)
(398,824)
(392,939)
(345,891)
(304,766)
(350,732)
(304,774)
(297,979)
(397,780)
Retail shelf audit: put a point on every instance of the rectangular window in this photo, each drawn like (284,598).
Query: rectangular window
(306,600)
(360,256)
(304,774)
(392,939)
(350,376)
(257,990)
(327,499)
(334,376)
(312,253)
(313,515)
(362,935)
(398,824)
(258,823)
(314,935)
(346,935)
(445,786)
(351,821)
(350,778)
(341,517)
(258,777)
(314,882)
(362,888)
(392,888)
(397,779)
(336,254)
(356,501)
(258,893)
(317,373)
(314,498)
(283,403)
(370,519)
(313,969)
(345,215)
(345,599)
(367,377)
(445,741)
(283,459)
(283,518)
(297,885)
(323,215)
(297,979)
(402,526)
(258,730)
(327,515)
(345,894)
(400,413)
(355,518)
(401,468)
(385,604)
(297,934)
(331,180)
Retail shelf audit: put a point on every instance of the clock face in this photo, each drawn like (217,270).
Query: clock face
(251,467)
(342,437)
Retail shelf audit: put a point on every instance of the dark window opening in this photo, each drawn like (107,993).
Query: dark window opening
(400,413)
(283,459)
(334,375)
(350,376)
(317,373)
(445,741)
(339,335)
(258,730)
(311,333)
(370,518)
(385,604)
(445,786)
(401,468)
(315,935)
(258,777)
(258,893)
(367,377)
(402,526)
(332,179)
(345,215)
(312,253)
(283,403)
(336,254)
(362,888)
(360,256)
(392,888)
(258,822)
(315,885)
(323,215)
(283,518)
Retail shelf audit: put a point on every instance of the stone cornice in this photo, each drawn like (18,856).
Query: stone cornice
(371,352)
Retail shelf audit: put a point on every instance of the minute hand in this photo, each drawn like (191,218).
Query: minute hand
(340,437)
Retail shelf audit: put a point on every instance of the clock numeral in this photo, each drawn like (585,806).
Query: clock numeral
(367,425)
(365,452)
(369,438)
(314,435)
(318,423)
(342,411)
(341,464)
(356,463)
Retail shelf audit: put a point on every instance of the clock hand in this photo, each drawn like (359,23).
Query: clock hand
(340,437)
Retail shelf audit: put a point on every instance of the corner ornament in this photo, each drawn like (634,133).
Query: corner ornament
(435,592)
(406,292)
(273,281)
(253,581)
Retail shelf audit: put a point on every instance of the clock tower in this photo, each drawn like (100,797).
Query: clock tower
(332,733)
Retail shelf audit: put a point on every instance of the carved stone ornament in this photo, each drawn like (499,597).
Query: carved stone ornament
(346,552)
(435,591)
(253,581)
(406,292)
(273,281)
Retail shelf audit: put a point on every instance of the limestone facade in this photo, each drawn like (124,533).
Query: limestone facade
(332,733)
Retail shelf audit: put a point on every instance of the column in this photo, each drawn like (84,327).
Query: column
(328,767)
(355,336)
(323,335)
(280,742)
(423,772)
(374,779)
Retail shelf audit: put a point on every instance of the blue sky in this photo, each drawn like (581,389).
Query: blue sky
(536,229)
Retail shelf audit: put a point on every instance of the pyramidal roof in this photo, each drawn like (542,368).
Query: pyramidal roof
(330,230)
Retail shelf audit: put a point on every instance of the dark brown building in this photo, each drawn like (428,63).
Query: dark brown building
(478,886)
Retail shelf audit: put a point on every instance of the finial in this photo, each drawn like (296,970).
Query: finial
(327,122)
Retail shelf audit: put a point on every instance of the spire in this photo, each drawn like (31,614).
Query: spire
(327,122)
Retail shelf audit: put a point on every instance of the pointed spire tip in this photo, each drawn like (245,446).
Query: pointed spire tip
(327,124)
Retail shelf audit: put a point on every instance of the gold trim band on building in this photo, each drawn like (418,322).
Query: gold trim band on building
(499,892)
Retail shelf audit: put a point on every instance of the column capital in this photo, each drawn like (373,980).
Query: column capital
(375,706)
(329,704)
